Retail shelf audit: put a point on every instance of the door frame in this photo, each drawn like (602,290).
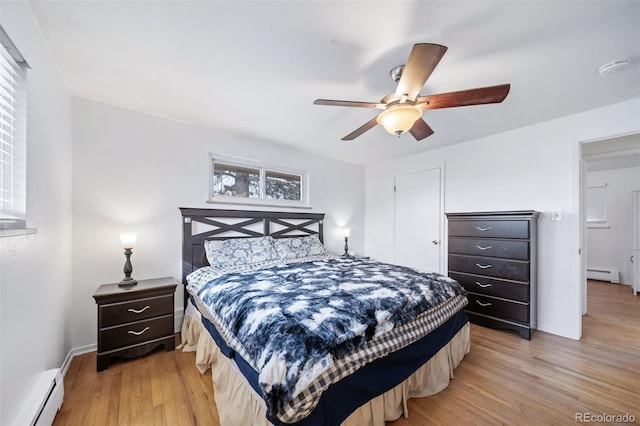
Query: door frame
(442,237)
(578,191)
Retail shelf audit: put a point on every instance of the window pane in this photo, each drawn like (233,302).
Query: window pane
(283,186)
(235,181)
(597,204)
(13,99)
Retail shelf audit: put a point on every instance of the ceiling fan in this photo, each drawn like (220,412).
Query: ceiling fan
(402,110)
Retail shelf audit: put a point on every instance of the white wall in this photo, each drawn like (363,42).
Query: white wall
(611,247)
(132,171)
(35,270)
(535,167)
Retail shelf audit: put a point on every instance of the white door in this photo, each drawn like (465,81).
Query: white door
(418,219)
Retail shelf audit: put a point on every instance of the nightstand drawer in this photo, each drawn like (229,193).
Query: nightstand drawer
(135,310)
(489,228)
(499,308)
(516,270)
(135,332)
(507,249)
(493,286)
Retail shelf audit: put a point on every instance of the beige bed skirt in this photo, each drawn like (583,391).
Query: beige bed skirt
(239,405)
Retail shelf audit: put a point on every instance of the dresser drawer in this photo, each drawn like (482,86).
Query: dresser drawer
(507,249)
(493,286)
(134,333)
(134,310)
(499,308)
(516,270)
(489,228)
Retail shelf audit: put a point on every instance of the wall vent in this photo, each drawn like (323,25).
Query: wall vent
(45,400)
(601,274)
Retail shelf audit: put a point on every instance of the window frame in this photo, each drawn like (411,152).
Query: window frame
(263,169)
(13,137)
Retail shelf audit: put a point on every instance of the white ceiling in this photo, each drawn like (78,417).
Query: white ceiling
(255,67)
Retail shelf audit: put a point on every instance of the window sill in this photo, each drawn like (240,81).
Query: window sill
(260,204)
(16,232)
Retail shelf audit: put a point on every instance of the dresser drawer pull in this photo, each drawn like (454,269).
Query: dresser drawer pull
(483,285)
(483,266)
(483,229)
(484,248)
(484,305)
(137,333)
(139,311)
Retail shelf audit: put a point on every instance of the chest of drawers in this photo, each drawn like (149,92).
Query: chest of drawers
(132,321)
(493,255)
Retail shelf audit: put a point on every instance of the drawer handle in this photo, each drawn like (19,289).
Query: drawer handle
(483,285)
(140,310)
(137,333)
(484,305)
(484,248)
(483,229)
(483,266)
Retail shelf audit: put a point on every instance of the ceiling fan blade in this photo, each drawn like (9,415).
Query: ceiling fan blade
(358,104)
(479,96)
(420,129)
(423,59)
(360,130)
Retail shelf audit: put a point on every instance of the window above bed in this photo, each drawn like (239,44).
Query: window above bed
(241,181)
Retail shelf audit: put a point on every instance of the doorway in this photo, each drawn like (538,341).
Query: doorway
(602,161)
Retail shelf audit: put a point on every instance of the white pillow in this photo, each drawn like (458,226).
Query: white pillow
(306,248)
(236,252)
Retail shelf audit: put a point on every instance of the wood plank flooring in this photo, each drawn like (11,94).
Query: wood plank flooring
(503,380)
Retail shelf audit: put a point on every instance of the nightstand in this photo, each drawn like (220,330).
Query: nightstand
(134,320)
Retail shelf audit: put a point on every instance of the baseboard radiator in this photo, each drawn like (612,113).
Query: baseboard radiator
(45,400)
(612,275)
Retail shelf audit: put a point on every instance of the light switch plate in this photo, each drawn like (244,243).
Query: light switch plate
(556,215)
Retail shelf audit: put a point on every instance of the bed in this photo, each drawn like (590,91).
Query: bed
(295,335)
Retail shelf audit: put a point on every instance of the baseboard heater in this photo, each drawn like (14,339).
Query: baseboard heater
(612,275)
(45,400)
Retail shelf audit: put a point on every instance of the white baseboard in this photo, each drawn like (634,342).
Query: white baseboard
(177,327)
(74,352)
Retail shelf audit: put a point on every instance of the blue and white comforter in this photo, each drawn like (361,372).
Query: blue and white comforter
(294,323)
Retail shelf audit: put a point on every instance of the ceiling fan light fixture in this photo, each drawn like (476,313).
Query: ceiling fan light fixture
(398,119)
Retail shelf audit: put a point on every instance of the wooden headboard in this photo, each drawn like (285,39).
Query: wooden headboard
(199,225)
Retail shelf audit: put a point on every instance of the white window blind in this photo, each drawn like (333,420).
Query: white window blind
(597,204)
(13,125)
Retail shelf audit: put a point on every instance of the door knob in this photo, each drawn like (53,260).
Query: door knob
(435,242)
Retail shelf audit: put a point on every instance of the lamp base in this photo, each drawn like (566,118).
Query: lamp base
(126,282)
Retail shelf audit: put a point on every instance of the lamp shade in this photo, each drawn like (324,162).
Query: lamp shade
(345,232)
(128,239)
(399,118)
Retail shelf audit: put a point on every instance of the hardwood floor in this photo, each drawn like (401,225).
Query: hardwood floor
(507,380)
(503,380)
